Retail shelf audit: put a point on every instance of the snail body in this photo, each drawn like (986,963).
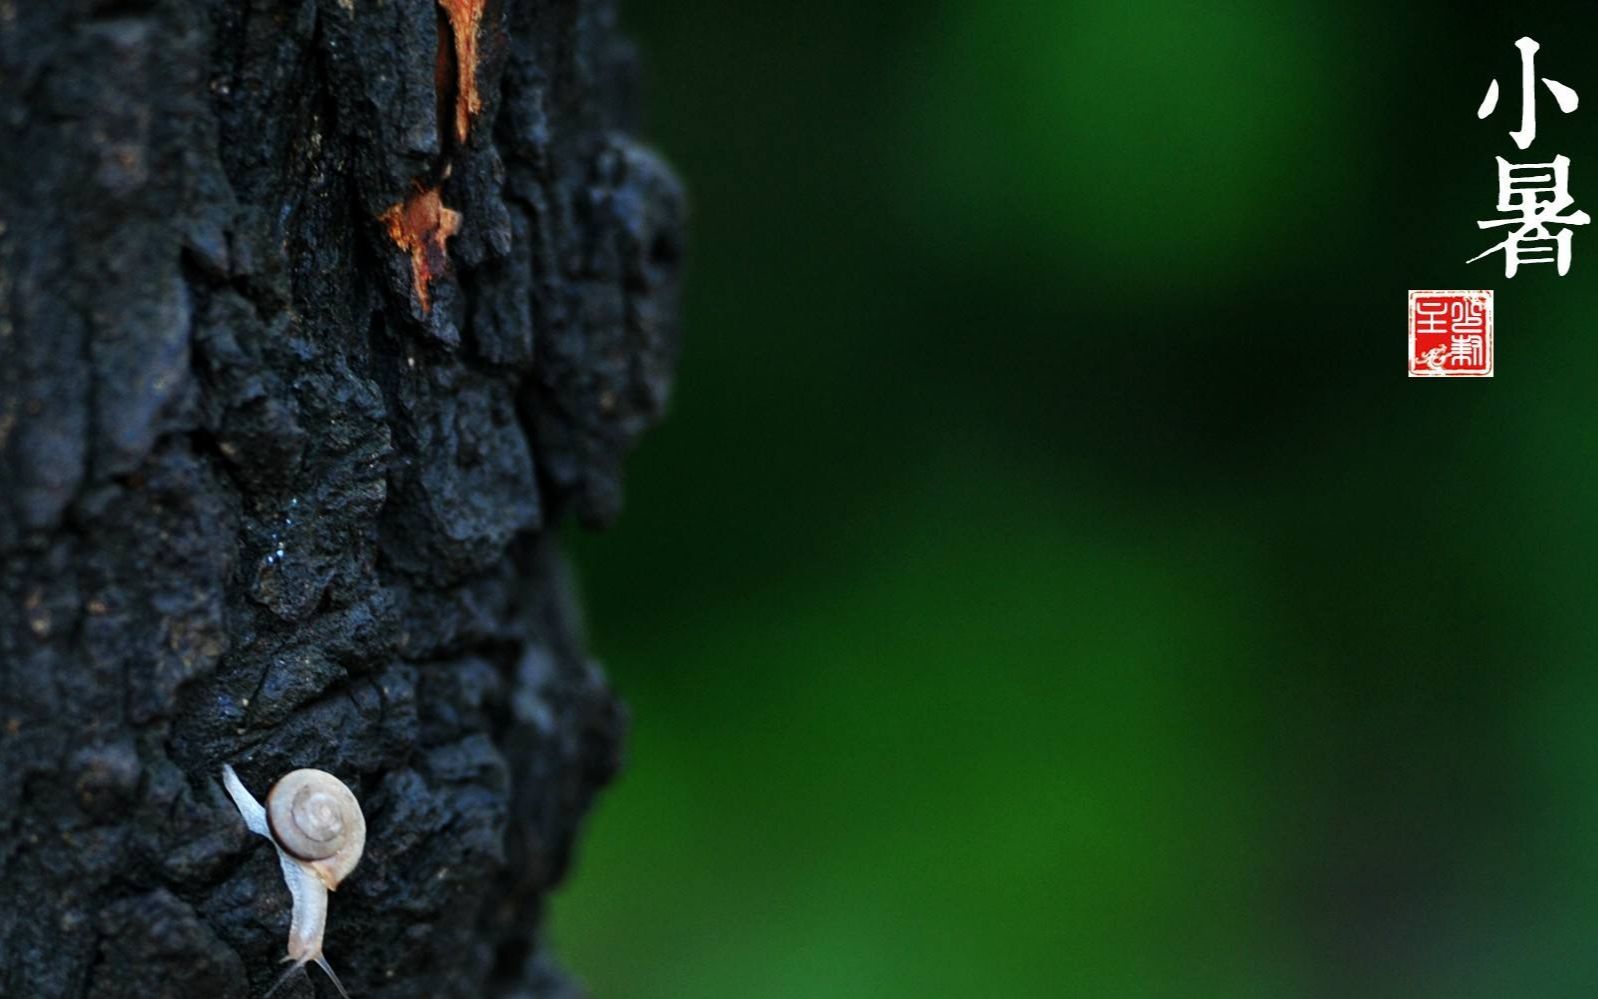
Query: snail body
(315,823)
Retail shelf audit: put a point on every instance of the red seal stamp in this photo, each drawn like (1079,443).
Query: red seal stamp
(1450,334)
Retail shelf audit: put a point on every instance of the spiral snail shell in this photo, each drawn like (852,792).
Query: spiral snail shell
(315,818)
(315,822)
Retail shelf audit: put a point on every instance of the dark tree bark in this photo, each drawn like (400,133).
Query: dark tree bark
(315,316)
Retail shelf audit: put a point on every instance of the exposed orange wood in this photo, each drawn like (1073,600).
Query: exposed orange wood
(420,225)
(465,17)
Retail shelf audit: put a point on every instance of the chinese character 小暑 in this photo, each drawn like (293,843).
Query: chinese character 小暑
(1534,195)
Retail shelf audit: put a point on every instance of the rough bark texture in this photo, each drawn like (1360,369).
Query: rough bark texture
(315,315)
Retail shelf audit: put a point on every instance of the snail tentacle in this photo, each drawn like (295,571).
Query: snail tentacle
(321,962)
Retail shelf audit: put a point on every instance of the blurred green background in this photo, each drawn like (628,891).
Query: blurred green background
(1048,582)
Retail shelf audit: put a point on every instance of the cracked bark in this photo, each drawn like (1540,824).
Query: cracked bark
(316,318)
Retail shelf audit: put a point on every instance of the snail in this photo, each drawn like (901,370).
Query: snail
(316,825)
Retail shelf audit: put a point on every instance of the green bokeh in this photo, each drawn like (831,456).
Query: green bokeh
(1127,138)
(1047,583)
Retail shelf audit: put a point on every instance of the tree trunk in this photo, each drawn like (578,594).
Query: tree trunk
(315,316)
